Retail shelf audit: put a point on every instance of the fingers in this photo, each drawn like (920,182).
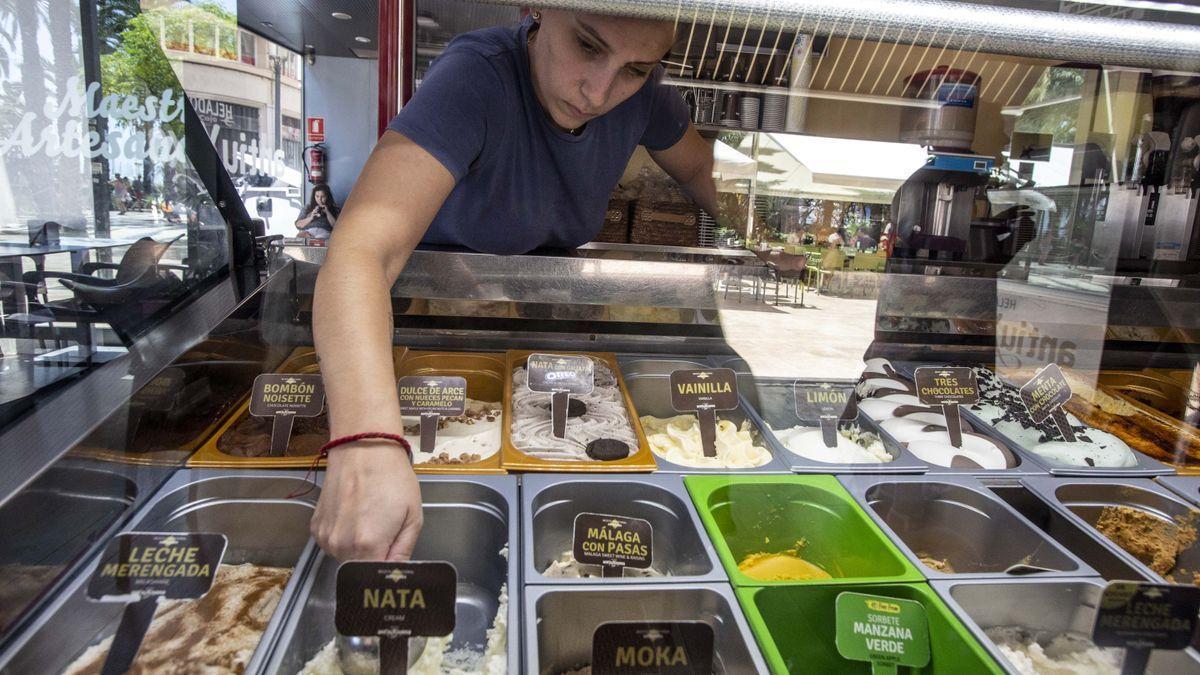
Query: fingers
(406,541)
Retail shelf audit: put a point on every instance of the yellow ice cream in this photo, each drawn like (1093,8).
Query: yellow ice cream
(783,566)
(677,439)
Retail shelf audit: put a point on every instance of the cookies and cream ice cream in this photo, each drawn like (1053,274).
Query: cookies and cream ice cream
(854,445)
(1061,654)
(216,633)
(1000,406)
(436,657)
(567,567)
(677,440)
(603,416)
(461,439)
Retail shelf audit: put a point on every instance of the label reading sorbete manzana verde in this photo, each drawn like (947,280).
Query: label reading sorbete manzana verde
(886,631)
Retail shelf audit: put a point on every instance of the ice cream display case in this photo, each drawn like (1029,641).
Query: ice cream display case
(959,314)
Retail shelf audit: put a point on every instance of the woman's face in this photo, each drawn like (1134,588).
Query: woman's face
(322,197)
(587,64)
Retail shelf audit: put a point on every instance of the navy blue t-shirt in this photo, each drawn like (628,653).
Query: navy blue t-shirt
(523,183)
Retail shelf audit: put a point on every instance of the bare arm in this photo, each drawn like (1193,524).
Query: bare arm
(690,163)
(370,506)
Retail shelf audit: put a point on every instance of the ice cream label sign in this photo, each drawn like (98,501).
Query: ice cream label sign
(889,632)
(1044,396)
(139,569)
(948,387)
(395,601)
(160,393)
(430,397)
(705,392)
(658,647)
(613,542)
(285,397)
(560,376)
(824,403)
(1140,617)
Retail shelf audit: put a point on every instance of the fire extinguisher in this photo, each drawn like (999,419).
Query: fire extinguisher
(314,161)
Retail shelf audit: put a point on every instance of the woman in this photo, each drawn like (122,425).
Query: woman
(514,140)
(319,217)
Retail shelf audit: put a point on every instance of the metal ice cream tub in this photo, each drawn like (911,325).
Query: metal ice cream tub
(468,520)
(1084,499)
(1187,487)
(263,526)
(1043,607)
(771,403)
(550,503)
(1075,536)
(649,382)
(559,622)
(957,522)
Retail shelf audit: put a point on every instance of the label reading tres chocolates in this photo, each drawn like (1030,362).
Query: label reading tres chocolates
(645,647)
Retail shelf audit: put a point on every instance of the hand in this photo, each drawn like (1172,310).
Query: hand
(370,507)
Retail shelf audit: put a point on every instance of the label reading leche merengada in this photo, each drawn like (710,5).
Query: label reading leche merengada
(171,565)
(652,647)
(548,373)
(1146,616)
(436,394)
(614,542)
(886,631)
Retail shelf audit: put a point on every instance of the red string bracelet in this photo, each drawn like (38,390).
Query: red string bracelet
(343,440)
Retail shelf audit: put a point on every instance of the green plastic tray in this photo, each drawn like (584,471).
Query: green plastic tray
(751,514)
(795,628)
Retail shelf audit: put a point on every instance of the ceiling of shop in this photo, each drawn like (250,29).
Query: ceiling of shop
(298,23)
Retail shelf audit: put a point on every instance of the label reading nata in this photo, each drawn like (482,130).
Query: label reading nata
(438,394)
(549,373)
(601,539)
(714,388)
(666,648)
(395,598)
(284,394)
(170,565)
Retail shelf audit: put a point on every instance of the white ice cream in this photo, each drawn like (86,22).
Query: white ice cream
(677,440)
(854,446)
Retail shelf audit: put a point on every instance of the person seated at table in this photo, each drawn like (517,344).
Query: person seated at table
(319,217)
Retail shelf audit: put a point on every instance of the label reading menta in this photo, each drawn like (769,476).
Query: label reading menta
(1046,392)
(171,565)
(660,647)
(548,373)
(886,631)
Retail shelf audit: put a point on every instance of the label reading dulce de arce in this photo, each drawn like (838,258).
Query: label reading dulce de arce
(613,542)
(705,391)
(430,397)
(949,387)
(284,397)
(141,568)
(1044,396)
(825,403)
(652,647)
(395,601)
